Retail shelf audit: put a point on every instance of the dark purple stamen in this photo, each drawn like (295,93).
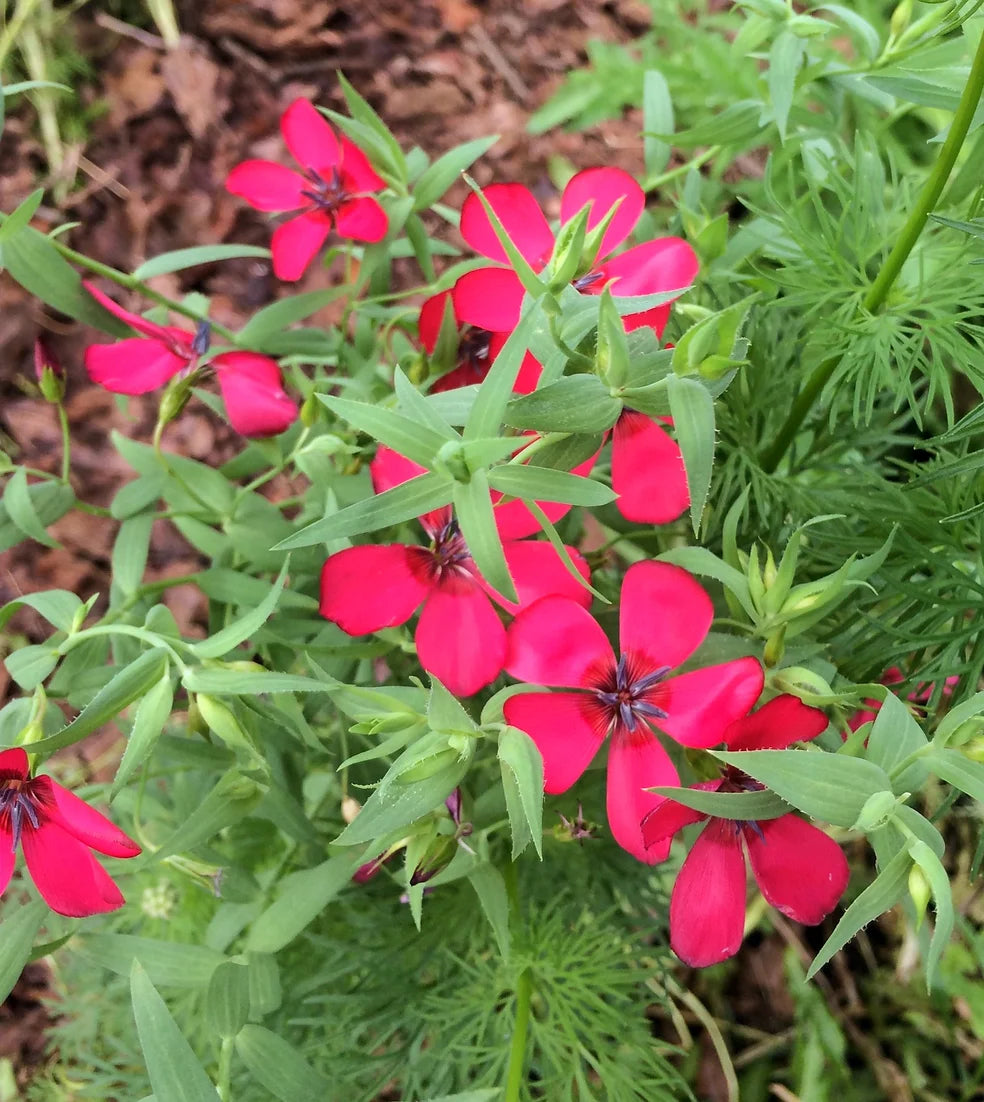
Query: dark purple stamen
(449,547)
(474,345)
(202,338)
(626,694)
(589,279)
(327,195)
(18,805)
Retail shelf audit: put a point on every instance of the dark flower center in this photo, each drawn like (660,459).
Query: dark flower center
(473,348)
(449,548)
(202,338)
(623,694)
(326,195)
(16,805)
(589,279)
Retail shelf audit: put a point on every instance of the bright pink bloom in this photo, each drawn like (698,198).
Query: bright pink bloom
(251,384)
(330,191)
(664,617)
(799,869)
(894,676)
(56,831)
(460,638)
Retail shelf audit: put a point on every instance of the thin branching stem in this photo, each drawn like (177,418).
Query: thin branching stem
(906,240)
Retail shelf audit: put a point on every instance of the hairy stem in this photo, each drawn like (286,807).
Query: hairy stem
(904,243)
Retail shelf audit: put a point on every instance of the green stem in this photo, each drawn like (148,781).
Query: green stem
(904,243)
(517,1049)
(66,443)
(225,1069)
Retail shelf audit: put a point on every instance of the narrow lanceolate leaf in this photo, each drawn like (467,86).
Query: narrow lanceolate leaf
(230,637)
(17,933)
(130,552)
(491,891)
(227,1000)
(699,560)
(880,896)
(831,787)
(167,963)
(303,896)
(489,408)
(784,62)
(746,806)
(179,259)
(533,483)
(174,1070)
(148,723)
(205,679)
(473,508)
(231,800)
(273,319)
(435,180)
(657,118)
(278,1067)
(939,884)
(894,736)
(951,721)
(15,221)
(416,441)
(410,499)
(418,408)
(20,509)
(575,403)
(692,409)
(522,782)
(57,606)
(951,766)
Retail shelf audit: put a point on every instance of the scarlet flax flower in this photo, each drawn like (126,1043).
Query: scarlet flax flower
(56,831)
(664,617)
(251,384)
(331,191)
(460,638)
(800,870)
(894,676)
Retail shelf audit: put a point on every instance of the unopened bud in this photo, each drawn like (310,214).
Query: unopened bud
(920,892)
(775,647)
(877,811)
(901,18)
(49,372)
(350,808)
(311,410)
(175,398)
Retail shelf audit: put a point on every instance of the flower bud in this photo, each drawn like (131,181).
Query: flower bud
(49,372)
(878,810)
(920,892)
(311,410)
(350,808)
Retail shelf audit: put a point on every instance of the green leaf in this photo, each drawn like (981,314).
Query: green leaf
(916,89)
(206,679)
(273,319)
(692,409)
(127,685)
(51,500)
(657,118)
(20,509)
(57,606)
(880,896)
(416,441)
(784,62)
(39,268)
(362,112)
(951,766)
(130,551)
(955,718)
(534,483)
(435,180)
(30,86)
(174,1070)
(240,630)
(148,723)
(231,800)
(473,508)
(492,1094)
(522,780)
(17,934)
(747,806)
(489,407)
(29,666)
(939,883)
(445,712)
(408,500)
(303,896)
(279,1068)
(265,993)
(532,284)
(894,736)
(575,403)
(421,410)
(179,259)
(491,891)
(15,221)
(831,787)
(699,560)
(737,125)
(227,1000)
(167,963)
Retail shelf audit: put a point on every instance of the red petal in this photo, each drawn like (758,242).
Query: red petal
(647,471)
(801,871)
(515,520)
(71,881)
(431,316)
(295,243)
(489,298)
(267,186)
(13,764)
(252,388)
(521,218)
(557,642)
(664,614)
(7,859)
(357,173)
(707,907)
(133,366)
(460,638)
(538,571)
(603,187)
(135,321)
(80,820)
(637,761)
(669,816)
(776,725)
(562,730)
(702,704)
(367,588)
(309,137)
(361,219)
(666,264)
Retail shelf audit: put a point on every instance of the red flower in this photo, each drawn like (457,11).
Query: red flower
(664,618)
(894,676)
(460,638)
(251,384)
(799,869)
(329,191)
(56,831)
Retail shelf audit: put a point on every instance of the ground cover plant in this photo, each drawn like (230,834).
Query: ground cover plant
(595,553)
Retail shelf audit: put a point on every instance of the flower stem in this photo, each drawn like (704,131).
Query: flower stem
(66,432)
(517,1049)
(904,243)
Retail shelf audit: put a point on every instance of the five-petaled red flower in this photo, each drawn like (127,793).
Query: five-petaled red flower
(57,830)
(251,384)
(330,191)
(799,869)
(460,638)
(664,617)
